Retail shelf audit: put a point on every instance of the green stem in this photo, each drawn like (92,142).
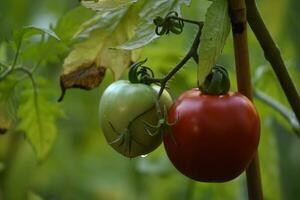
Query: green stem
(284,111)
(188,21)
(273,55)
(17,54)
(192,53)
(4,65)
(9,70)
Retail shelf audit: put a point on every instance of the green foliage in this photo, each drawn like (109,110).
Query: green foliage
(96,49)
(33,196)
(104,5)
(7,105)
(289,162)
(69,24)
(20,37)
(107,30)
(29,31)
(144,34)
(214,34)
(37,116)
(81,165)
(31,122)
(52,50)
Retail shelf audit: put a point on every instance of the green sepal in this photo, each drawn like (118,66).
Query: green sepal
(133,71)
(217,82)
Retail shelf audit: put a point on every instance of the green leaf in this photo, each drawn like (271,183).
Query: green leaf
(105,5)
(96,50)
(2,167)
(69,24)
(52,50)
(7,104)
(3,53)
(37,116)
(29,31)
(145,32)
(214,34)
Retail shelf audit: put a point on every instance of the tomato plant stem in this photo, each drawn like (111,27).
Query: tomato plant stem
(192,53)
(239,29)
(188,21)
(272,54)
(284,111)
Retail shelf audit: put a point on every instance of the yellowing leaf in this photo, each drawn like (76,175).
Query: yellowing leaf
(85,66)
(110,39)
(37,119)
(214,34)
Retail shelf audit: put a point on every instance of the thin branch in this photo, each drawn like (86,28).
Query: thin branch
(192,53)
(8,70)
(28,73)
(273,55)
(17,53)
(11,68)
(281,109)
(5,70)
(188,21)
(4,64)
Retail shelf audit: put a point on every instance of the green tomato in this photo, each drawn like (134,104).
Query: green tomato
(126,111)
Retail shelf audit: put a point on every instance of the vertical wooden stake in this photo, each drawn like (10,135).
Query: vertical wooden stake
(239,30)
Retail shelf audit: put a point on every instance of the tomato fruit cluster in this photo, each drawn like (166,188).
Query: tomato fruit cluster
(210,134)
(216,136)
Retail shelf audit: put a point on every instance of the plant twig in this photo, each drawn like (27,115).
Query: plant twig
(284,111)
(17,53)
(272,54)
(192,53)
(239,29)
(188,20)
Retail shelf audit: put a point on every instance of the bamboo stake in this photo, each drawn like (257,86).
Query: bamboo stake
(239,30)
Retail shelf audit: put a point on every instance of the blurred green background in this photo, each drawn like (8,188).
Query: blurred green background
(81,164)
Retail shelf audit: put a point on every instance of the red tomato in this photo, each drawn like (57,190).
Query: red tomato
(215,136)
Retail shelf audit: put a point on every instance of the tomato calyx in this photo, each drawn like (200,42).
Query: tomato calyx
(217,82)
(139,73)
(163,125)
(125,138)
(170,23)
(142,74)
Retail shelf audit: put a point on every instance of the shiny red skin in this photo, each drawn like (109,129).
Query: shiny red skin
(215,136)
